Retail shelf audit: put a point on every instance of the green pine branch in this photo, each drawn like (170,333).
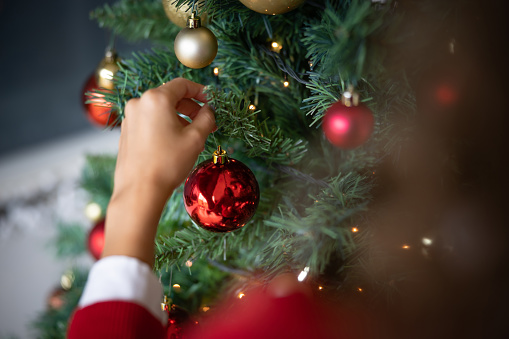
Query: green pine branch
(344,41)
(323,229)
(137,20)
(52,323)
(97,178)
(235,119)
(70,241)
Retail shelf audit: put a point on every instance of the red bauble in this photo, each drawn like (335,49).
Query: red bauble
(99,111)
(441,92)
(96,240)
(56,299)
(347,127)
(221,196)
(178,318)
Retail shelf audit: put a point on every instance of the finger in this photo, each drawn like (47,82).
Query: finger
(188,107)
(183,121)
(204,122)
(129,106)
(180,88)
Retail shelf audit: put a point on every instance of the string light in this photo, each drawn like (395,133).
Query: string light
(286,83)
(241,295)
(176,287)
(252,107)
(216,71)
(276,47)
(189,263)
(359,289)
(320,288)
(405,247)
(205,308)
(355,230)
(427,241)
(303,274)
(93,211)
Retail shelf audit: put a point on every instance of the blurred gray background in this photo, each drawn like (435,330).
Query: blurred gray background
(48,49)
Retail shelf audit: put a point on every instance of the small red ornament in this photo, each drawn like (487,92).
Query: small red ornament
(348,124)
(442,92)
(221,194)
(56,299)
(96,240)
(178,320)
(99,111)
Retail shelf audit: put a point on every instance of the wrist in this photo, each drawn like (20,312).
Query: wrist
(132,219)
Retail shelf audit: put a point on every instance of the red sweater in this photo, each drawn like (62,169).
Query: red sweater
(122,300)
(115,319)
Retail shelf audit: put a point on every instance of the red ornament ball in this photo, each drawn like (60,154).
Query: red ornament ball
(221,194)
(96,240)
(56,300)
(99,111)
(178,319)
(347,126)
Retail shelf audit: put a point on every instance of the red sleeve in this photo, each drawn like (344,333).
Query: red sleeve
(115,319)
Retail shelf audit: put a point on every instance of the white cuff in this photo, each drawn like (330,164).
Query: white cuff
(121,278)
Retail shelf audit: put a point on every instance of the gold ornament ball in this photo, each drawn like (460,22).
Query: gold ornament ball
(272,7)
(107,69)
(179,15)
(195,47)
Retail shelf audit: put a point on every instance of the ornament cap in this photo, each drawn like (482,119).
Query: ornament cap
(220,156)
(194,21)
(165,304)
(350,97)
(110,55)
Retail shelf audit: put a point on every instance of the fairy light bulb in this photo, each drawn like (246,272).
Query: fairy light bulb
(189,263)
(241,295)
(405,247)
(94,212)
(286,83)
(276,47)
(216,71)
(355,230)
(427,241)
(303,274)
(176,287)
(252,107)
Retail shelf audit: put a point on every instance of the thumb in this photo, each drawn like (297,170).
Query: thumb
(204,121)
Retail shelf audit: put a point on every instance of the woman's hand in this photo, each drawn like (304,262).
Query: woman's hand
(156,153)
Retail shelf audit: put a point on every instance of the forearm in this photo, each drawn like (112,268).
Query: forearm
(131,221)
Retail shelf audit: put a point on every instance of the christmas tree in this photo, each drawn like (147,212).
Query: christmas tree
(378,182)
